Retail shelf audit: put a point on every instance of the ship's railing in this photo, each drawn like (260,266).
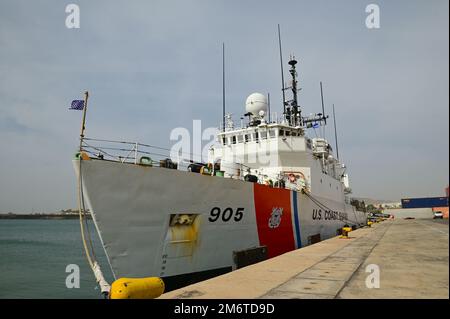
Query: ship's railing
(275,118)
(128,152)
(136,153)
(139,153)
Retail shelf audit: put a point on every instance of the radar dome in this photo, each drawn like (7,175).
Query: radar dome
(256,103)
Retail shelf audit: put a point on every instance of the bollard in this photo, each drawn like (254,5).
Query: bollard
(345,231)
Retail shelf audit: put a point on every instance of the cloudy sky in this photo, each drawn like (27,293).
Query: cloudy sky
(151,66)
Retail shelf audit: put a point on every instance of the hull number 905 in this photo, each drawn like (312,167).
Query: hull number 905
(226,214)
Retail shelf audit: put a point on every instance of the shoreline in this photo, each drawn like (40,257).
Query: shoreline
(41,216)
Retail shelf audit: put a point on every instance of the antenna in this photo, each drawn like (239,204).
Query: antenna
(335,134)
(223,86)
(282,74)
(268,104)
(323,109)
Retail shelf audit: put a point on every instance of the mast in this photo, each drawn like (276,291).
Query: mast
(282,74)
(223,86)
(83,121)
(335,134)
(318,117)
(323,109)
(295,110)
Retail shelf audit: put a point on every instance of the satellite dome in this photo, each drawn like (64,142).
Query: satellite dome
(255,103)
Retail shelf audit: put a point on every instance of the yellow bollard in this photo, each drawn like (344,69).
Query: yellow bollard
(369,223)
(345,231)
(137,288)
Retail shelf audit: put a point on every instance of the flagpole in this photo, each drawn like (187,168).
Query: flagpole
(86,96)
(104,286)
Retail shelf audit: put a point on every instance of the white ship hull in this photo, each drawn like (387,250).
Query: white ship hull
(133,206)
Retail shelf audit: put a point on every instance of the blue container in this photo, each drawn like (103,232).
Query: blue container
(426,202)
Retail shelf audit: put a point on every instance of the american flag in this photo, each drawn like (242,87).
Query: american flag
(77,105)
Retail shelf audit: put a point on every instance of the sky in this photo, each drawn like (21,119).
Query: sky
(152,66)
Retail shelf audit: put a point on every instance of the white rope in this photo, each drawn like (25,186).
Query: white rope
(104,286)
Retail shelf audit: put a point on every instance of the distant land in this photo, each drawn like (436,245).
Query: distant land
(375,202)
(63,214)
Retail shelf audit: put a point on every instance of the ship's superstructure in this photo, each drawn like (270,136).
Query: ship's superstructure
(266,189)
(277,151)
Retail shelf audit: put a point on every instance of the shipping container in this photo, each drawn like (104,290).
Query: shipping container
(426,202)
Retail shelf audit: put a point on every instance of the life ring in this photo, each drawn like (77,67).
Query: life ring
(292,178)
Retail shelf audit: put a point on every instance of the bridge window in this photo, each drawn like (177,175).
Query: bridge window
(240,138)
(272,133)
(233,139)
(263,134)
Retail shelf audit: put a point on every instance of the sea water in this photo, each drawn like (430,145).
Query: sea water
(34,255)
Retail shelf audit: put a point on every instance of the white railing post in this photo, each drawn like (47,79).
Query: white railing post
(136,153)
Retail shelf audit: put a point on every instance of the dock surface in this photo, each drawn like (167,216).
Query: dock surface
(411,256)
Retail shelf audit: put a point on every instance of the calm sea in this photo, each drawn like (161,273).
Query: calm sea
(34,255)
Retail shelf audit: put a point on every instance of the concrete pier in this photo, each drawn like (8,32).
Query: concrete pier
(411,255)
